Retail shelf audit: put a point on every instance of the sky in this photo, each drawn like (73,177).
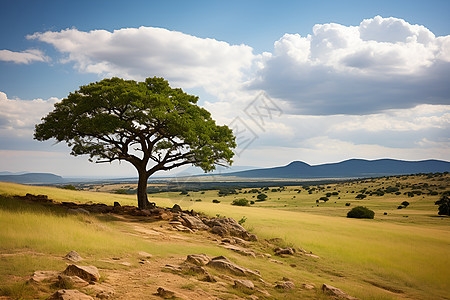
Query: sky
(313,81)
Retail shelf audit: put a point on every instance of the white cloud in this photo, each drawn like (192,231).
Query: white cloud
(24,57)
(384,63)
(21,115)
(137,53)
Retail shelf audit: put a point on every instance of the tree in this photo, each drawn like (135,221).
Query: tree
(149,124)
(261,197)
(361,212)
(444,206)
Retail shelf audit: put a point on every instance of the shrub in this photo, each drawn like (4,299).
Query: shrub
(242,220)
(444,206)
(347,204)
(69,187)
(252,202)
(261,197)
(400,207)
(240,202)
(121,192)
(360,196)
(405,203)
(324,199)
(215,201)
(361,212)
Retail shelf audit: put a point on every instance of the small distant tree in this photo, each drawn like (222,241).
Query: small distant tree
(405,203)
(261,197)
(324,199)
(240,202)
(360,196)
(444,206)
(148,124)
(361,212)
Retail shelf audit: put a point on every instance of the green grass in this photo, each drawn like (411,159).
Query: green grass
(367,258)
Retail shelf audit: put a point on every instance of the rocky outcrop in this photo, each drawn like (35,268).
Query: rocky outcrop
(72,281)
(198,259)
(88,273)
(284,251)
(229,226)
(164,293)
(69,295)
(223,263)
(285,285)
(44,276)
(193,222)
(334,291)
(244,284)
(73,256)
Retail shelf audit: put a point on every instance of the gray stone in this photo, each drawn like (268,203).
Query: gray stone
(198,259)
(73,256)
(72,281)
(331,290)
(69,295)
(88,273)
(244,284)
(223,263)
(193,222)
(40,276)
(285,285)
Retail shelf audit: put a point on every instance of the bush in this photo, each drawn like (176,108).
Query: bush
(405,203)
(444,206)
(324,199)
(240,202)
(69,187)
(360,196)
(121,192)
(215,201)
(347,204)
(361,212)
(261,197)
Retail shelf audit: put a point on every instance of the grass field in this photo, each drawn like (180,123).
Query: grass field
(400,255)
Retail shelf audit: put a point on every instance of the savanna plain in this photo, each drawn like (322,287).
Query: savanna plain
(403,253)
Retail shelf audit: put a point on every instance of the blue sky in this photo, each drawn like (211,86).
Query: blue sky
(351,79)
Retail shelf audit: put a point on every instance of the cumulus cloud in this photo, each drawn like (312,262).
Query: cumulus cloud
(384,63)
(21,115)
(24,57)
(137,53)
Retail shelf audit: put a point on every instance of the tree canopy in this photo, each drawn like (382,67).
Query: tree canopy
(149,124)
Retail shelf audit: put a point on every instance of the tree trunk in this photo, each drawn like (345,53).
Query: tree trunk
(142,190)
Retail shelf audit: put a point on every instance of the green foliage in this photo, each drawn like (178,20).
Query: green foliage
(360,196)
(361,212)
(324,199)
(405,203)
(121,192)
(114,119)
(69,187)
(261,197)
(240,202)
(242,220)
(444,206)
(216,201)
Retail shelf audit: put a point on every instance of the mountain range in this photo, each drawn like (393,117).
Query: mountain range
(32,178)
(347,169)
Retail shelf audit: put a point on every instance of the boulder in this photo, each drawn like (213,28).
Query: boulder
(100,290)
(244,284)
(193,222)
(143,254)
(284,251)
(88,273)
(223,263)
(285,285)
(40,276)
(198,259)
(182,228)
(73,256)
(308,286)
(228,226)
(240,250)
(165,294)
(176,209)
(72,281)
(69,295)
(334,291)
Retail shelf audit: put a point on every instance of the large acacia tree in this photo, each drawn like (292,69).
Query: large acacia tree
(149,124)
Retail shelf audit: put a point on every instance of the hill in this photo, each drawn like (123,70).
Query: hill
(349,168)
(32,178)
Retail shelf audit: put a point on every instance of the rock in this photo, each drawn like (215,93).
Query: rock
(209,278)
(172,268)
(285,285)
(311,255)
(176,209)
(143,254)
(165,294)
(223,263)
(175,223)
(276,261)
(101,290)
(183,229)
(88,273)
(69,295)
(73,256)
(125,263)
(193,222)
(308,286)
(76,211)
(331,290)
(228,226)
(240,250)
(263,292)
(72,281)
(219,230)
(198,259)
(40,276)
(244,284)
(287,279)
(286,251)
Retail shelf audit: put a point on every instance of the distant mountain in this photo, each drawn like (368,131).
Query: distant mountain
(33,178)
(346,169)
